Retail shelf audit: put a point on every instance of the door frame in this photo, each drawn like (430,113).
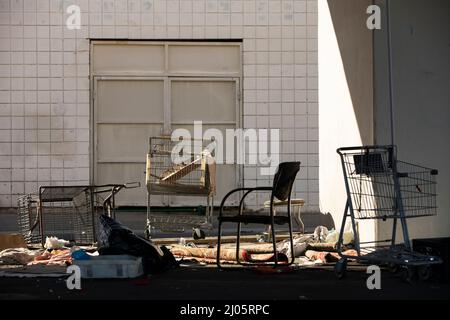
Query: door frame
(167,77)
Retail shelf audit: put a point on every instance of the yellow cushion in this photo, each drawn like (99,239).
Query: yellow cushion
(295,202)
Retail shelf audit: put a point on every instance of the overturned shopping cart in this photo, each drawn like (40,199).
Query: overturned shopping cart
(180,167)
(381,187)
(67,212)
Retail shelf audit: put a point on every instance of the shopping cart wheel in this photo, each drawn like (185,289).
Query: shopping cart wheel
(340,268)
(198,234)
(424,272)
(408,274)
(148,232)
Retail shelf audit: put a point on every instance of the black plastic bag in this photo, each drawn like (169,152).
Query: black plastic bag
(115,239)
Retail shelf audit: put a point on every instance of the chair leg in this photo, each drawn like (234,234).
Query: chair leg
(238,242)
(269,227)
(218,244)
(298,219)
(291,240)
(274,242)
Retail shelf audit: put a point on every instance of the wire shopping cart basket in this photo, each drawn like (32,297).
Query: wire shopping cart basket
(184,167)
(379,186)
(67,212)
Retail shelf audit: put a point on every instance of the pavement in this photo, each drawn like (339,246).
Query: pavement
(210,283)
(136,221)
(197,282)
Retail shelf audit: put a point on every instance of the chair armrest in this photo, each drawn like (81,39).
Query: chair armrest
(248,190)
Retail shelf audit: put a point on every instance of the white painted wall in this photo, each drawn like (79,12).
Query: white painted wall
(345,97)
(44,79)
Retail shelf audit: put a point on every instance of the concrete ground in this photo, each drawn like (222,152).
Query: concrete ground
(136,221)
(209,283)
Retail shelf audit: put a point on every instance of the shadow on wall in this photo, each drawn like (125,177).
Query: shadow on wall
(355,46)
(420,33)
(420,49)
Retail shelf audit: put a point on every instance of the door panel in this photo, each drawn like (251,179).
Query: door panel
(204,59)
(127,59)
(213,102)
(128,112)
(124,142)
(203,100)
(130,101)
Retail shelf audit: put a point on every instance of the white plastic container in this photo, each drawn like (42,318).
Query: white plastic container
(114,266)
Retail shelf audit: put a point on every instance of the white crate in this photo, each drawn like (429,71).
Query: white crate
(114,266)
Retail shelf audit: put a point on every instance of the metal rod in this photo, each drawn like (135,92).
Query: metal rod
(391,80)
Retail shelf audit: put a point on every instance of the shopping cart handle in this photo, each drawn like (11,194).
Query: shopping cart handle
(368,147)
(130,185)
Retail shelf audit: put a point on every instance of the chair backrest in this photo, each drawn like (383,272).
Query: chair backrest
(284,178)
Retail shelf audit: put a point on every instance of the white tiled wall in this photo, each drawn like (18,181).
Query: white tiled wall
(44,84)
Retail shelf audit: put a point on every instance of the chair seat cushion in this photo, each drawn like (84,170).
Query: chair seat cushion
(261,219)
(294,202)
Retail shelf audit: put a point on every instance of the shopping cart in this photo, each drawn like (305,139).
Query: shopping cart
(381,187)
(183,167)
(67,212)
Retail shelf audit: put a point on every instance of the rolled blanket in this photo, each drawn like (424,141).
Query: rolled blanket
(54,258)
(326,257)
(208,255)
(20,256)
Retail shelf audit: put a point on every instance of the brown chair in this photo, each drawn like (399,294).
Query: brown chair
(281,189)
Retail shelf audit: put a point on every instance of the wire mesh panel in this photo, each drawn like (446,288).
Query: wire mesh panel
(28,218)
(180,168)
(175,223)
(418,189)
(381,187)
(58,211)
(67,213)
